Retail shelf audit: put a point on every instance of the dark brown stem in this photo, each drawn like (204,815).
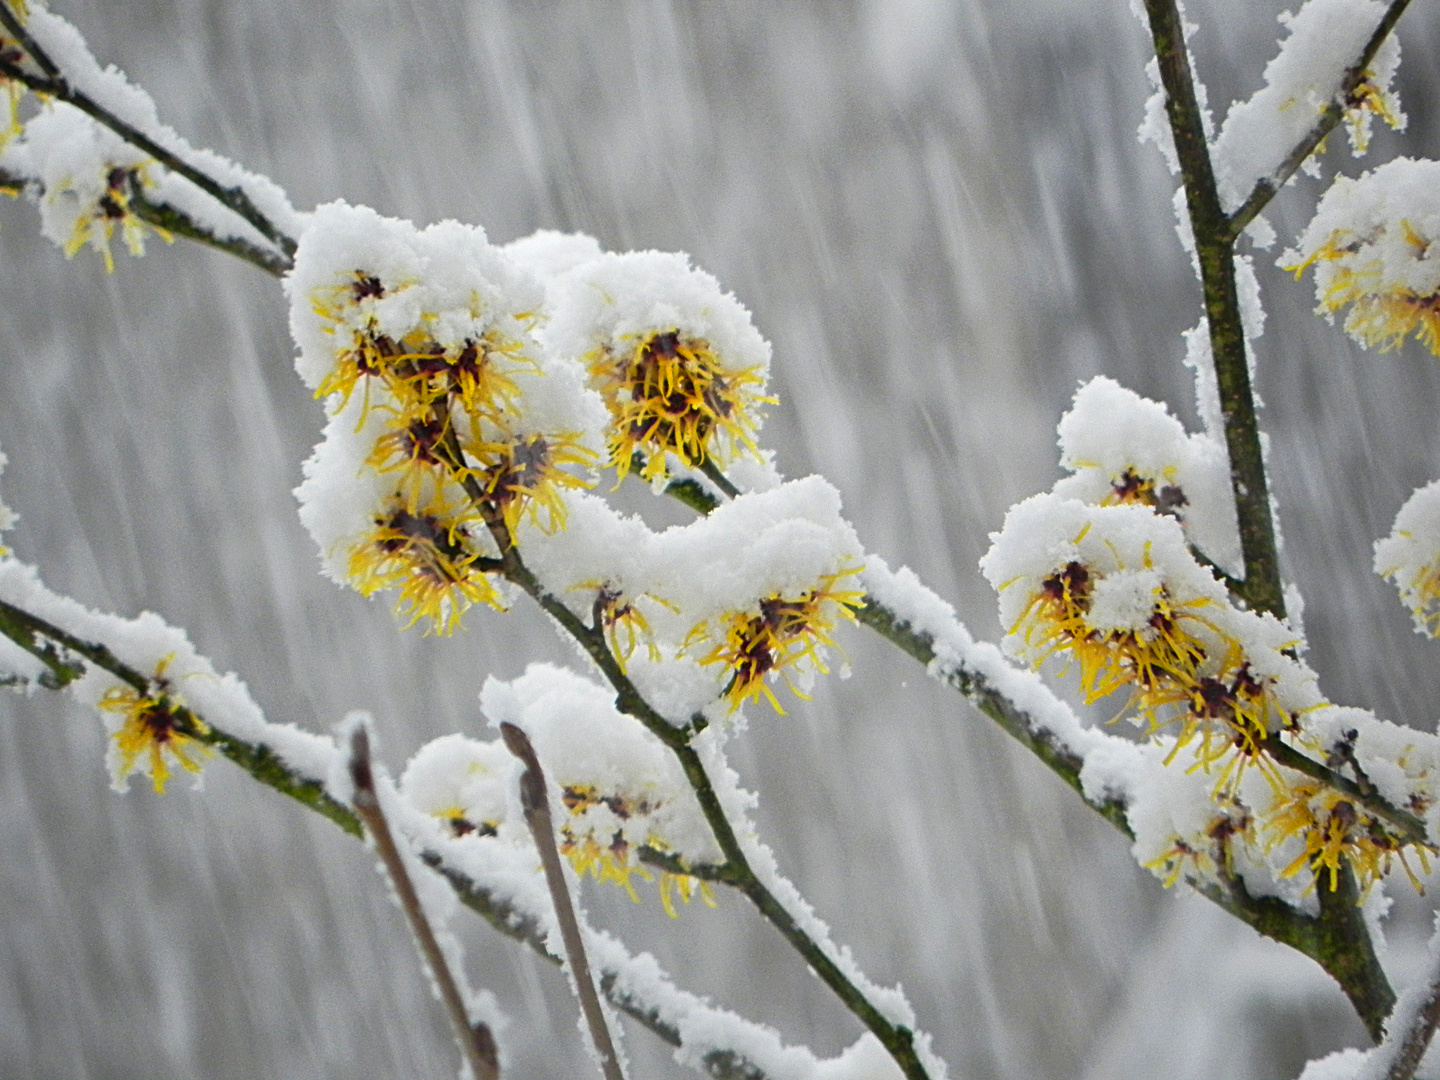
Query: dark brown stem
(536,803)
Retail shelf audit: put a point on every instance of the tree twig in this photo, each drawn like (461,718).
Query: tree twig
(477,1042)
(60,649)
(536,804)
(1267,187)
(1407,1047)
(54,83)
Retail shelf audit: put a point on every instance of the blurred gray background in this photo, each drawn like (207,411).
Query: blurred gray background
(940,216)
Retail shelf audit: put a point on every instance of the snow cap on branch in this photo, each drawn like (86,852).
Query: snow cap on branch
(1325,38)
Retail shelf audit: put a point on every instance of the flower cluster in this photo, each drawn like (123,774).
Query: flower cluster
(1372,245)
(678,362)
(1122,448)
(1100,574)
(782,634)
(422,344)
(87,178)
(1114,589)
(618,790)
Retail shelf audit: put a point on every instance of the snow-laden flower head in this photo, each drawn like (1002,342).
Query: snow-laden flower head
(1123,448)
(621,790)
(88,178)
(455,424)
(1410,557)
(734,600)
(1373,246)
(461,781)
(679,363)
(1116,590)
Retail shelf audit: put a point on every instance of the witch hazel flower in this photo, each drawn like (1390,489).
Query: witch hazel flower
(1115,590)
(621,788)
(1123,448)
(1372,245)
(1410,557)
(87,177)
(151,731)
(680,365)
(448,424)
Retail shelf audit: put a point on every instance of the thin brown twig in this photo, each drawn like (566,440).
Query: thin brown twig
(477,1042)
(536,804)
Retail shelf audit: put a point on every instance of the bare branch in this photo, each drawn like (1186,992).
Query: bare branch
(477,1043)
(537,816)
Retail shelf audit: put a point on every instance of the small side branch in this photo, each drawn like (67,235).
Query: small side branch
(477,1043)
(1266,187)
(537,816)
(53,82)
(174,220)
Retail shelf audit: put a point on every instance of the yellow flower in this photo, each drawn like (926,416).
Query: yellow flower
(784,632)
(611,861)
(1333,829)
(1422,595)
(526,474)
(670,393)
(96,225)
(1367,99)
(478,374)
(1382,313)
(427,553)
(1161,655)
(156,726)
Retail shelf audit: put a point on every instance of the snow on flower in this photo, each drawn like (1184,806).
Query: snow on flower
(449,426)
(752,590)
(678,361)
(87,176)
(1410,557)
(159,725)
(1115,590)
(461,781)
(1122,448)
(620,787)
(1324,39)
(1372,244)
